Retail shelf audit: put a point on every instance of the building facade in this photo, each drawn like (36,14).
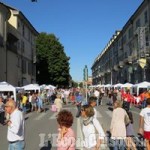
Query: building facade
(20,51)
(126,57)
(4,16)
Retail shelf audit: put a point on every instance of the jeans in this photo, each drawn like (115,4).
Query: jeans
(2,117)
(16,146)
(78,111)
(144,103)
(119,144)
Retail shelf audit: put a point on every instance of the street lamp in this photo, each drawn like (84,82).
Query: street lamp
(85,76)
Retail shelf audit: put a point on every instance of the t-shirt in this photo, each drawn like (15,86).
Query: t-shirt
(24,100)
(145,113)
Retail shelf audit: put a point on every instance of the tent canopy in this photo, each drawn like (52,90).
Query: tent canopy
(30,87)
(144,84)
(6,87)
(117,85)
(107,85)
(127,85)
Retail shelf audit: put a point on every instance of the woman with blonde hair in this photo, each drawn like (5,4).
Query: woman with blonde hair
(58,102)
(118,126)
(91,126)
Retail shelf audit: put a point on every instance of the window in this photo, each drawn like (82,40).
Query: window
(23,66)
(18,64)
(23,30)
(124,39)
(147,40)
(22,46)
(130,33)
(138,24)
(29,68)
(145,17)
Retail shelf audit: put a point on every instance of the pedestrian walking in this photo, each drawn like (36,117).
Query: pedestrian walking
(15,134)
(66,136)
(78,103)
(92,130)
(92,102)
(130,132)
(118,126)
(58,102)
(144,126)
(2,112)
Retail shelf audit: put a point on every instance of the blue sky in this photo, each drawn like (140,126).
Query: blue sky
(84,27)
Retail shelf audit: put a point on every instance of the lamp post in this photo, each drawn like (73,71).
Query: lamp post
(85,76)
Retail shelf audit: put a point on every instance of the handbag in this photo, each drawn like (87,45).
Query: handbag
(53,108)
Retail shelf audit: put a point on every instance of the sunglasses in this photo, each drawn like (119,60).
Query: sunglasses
(82,109)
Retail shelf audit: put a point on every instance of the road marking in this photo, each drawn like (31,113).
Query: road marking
(40,116)
(53,116)
(109,113)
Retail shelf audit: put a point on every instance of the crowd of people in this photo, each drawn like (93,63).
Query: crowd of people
(121,127)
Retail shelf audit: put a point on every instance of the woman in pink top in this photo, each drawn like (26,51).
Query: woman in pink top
(66,136)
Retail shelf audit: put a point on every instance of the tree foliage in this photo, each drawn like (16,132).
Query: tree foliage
(53,63)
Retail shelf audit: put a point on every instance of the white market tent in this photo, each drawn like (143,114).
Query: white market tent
(107,85)
(6,87)
(144,84)
(127,85)
(100,85)
(49,87)
(117,85)
(32,87)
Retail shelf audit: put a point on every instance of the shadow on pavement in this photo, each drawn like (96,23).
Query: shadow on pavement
(26,118)
(110,108)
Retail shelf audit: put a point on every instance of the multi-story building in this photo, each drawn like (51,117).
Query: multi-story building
(4,16)
(126,58)
(19,60)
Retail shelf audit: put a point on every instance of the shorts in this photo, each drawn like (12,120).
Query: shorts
(147,135)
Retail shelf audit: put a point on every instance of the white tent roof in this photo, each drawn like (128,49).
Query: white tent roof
(49,87)
(144,84)
(127,85)
(31,87)
(107,85)
(6,87)
(117,85)
(100,85)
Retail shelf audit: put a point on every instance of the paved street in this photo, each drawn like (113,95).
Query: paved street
(41,128)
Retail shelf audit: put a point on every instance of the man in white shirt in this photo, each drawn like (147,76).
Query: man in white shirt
(144,126)
(97,94)
(15,134)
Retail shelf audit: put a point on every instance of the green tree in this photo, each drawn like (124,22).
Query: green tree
(53,63)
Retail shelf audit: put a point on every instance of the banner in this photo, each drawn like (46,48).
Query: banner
(142,62)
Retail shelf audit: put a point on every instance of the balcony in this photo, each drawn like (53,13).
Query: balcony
(130,59)
(121,64)
(116,68)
